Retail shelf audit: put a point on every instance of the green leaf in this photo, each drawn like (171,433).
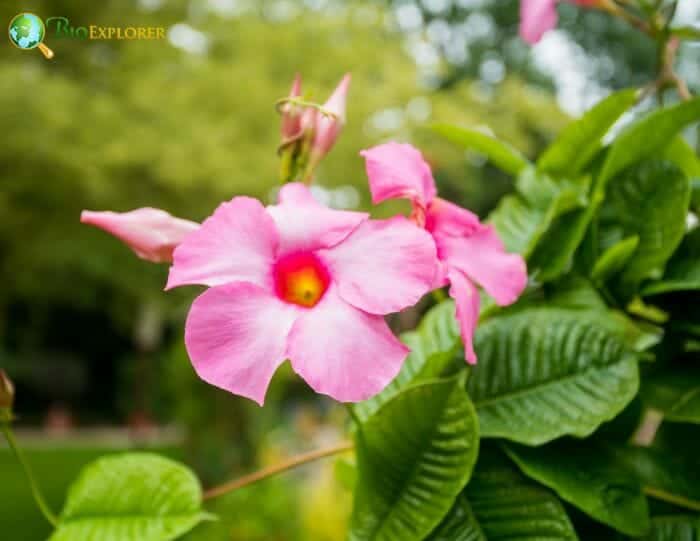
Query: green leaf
(674,528)
(414,456)
(683,155)
(500,504)
(580,141)
(575,292)
(434,347)
(585,476)
(613,260)
(503,155)
(695,195)
(555,250)
(460,524)
(672,476)
(131,497)
(650,201)
(683,269)
(523,218)
(647,136)
(676,393)
(545,372)
(686,32)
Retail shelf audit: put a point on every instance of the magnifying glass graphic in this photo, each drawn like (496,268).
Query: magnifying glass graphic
(27,31)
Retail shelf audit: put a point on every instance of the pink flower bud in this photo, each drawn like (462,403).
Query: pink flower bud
(328,128)
(151,233)
(7,391)
(292,114)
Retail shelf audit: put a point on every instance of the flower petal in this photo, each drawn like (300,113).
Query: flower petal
(236,243)
(445,218)
(397,170)
(384,266)
(536,17)
(304,224)
(344,352)
(467,300)
(483,258)
(328,128)
(236,336)
(151,233)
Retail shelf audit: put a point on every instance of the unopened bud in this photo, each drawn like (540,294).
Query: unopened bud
(7,392)
(328,127)
(291,126)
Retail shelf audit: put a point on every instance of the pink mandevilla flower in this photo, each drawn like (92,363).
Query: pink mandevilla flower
(539,16)
(151,233)
(303,282)
(468,251)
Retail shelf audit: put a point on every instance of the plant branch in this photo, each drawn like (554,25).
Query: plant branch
(270,471)
(36,491)
(680,501)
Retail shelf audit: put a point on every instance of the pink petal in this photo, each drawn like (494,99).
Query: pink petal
(483,258)
(344,352)
(536,18)
(445,218)
(236,243)
(467,301)
(384,266)
(397,170)
(291,114)
(304,224)
(328,128)
(151,233)
(236,336)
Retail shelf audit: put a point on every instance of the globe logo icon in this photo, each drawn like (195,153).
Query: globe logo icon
(27,31)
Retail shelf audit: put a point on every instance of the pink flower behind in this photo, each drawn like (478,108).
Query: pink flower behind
(151,233)
(539,16)
(468,251)
(300,281)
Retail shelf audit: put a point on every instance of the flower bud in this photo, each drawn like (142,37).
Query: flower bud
(152,234)
(7,392)
(327,128)
(291,126)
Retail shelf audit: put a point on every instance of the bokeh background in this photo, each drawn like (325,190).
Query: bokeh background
(94,344)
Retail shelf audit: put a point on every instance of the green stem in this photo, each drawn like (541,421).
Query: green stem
(680,501)
(275,469)
(36,491)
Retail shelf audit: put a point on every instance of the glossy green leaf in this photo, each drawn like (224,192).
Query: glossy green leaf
(523,218)
(650,201)
(575,292)
(675,392)
(545,372)
(585,476)
(500,504)
(131,497)
(414,456)
(554,252)
(672,476)
(503,155)
(683,269)
(613,260)
(674,528)
(579,142)
(647,136)
(434,348)
(683,155)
